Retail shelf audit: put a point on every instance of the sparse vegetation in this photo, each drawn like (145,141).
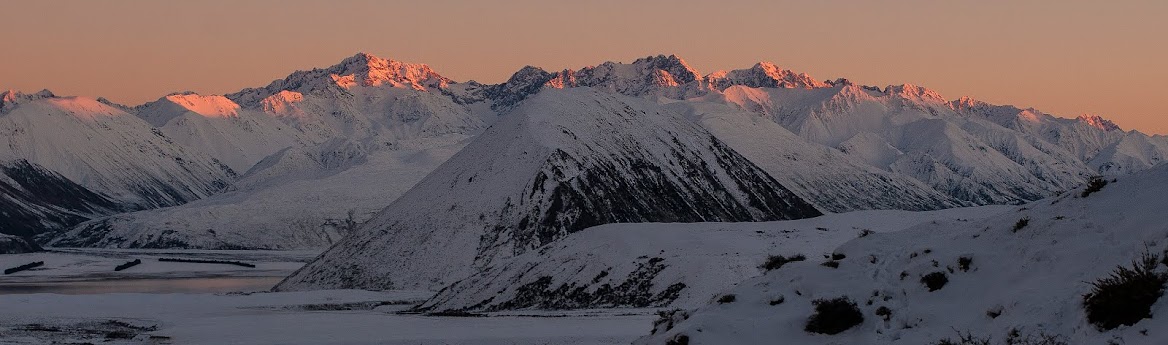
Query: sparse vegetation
(727,298)
(1022,223)
(831,263)
(833,316)
(1126,296)
(935,281)
(775,262)
(964,262)
(23,267)
(884,313)
(966,338)
(838,256)
(866,232)
(666,319)
(1095,184)
(778,300)
(680,339)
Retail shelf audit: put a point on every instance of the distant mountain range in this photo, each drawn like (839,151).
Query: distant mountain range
(306,160)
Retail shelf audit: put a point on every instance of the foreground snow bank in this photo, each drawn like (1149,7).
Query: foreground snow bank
(1002,275)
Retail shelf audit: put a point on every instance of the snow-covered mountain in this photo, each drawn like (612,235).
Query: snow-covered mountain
(1024,272)
(560,162)
(67,159)
(321,152)
(839,146)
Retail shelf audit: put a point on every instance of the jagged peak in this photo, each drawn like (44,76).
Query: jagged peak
(10,98)
(1098,122)
(764,74)
(914,92)
(368,70)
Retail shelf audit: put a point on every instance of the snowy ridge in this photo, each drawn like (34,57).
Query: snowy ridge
(68,159)
(662,264)
(559,163)
(1030,277)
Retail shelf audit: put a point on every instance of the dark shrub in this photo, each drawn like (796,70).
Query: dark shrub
(838,256)
(778,300)
(1094,184)
(964,262)
(935,281)
(680,339)
(832,264)
(774,262)
(727,298)
(667,318)
(1022,223)
(1126,296)
(884,313)
(833,316)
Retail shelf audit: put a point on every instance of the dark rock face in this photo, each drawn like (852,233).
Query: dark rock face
(38,200)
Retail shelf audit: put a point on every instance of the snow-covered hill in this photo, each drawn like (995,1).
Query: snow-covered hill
(72,158)
(1025,271)
(663,264)
(560,162)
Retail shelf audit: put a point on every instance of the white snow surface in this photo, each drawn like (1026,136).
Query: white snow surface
(1034,277)
(707,257)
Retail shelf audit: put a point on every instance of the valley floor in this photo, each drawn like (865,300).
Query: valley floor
(318,317)
(77,297)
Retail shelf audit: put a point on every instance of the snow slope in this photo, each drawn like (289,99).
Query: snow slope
(218,127)
(1032,279)
(309,206)
(72,158)
(321,152)
(828,178)
(663,264)
(560,162)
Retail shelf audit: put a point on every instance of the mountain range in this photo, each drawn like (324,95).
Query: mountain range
(383,150)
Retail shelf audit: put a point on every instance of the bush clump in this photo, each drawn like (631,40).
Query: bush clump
(831,263)
(775,262)
(1022,223)
(727,298)
(964,262)
(833,316)
(1094,184)
(1126,296)
(935,281)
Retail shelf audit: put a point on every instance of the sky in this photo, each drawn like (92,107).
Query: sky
(1066,57)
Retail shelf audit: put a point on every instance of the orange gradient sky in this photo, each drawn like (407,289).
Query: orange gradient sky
(1065,57)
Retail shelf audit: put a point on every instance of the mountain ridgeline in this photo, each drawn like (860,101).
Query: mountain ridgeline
(306,160)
